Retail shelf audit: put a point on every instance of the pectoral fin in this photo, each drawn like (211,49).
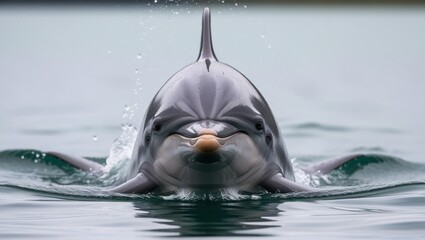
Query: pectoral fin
(79,162)
(328,166)
(138,184)
(278,183)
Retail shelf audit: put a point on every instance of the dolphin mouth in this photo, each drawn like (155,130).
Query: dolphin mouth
(208,150)
(209,158)
(207,143)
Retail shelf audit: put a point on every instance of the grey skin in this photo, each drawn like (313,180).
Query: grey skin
(207,128)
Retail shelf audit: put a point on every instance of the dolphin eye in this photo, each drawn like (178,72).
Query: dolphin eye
(268,139)
(157,127)
(259,126)
(148,139)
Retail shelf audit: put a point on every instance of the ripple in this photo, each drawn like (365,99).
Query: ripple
(368,149)
(59,131)
(316,126)
(319,126)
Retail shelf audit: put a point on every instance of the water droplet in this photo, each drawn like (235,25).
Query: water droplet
(37,155)
(222,1)
(155,1)
(269,46)
(244,6)
(126,111)
(236,4)
(263,36)
(139,56)
(109,51)
(136,71)
(22,157)
(95,138)
(36,160)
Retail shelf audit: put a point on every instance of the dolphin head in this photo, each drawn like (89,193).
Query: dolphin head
(209,127)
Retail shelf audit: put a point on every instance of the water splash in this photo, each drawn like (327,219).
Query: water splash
(302,176)
(117,162)
(130,111)
(139,86)
(225,194)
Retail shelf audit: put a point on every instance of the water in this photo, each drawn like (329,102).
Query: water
(339,80)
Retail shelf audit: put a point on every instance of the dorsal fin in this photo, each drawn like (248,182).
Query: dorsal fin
(207,51)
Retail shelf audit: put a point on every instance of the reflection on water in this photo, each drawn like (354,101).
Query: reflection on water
(205,218)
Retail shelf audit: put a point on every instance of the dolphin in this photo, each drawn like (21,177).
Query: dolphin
(209,127)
